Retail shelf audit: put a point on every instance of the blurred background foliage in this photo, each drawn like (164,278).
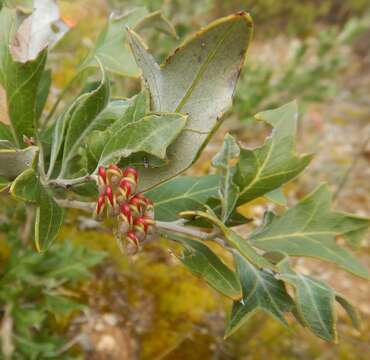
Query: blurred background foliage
(85,300)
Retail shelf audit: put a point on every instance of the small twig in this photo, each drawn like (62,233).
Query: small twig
(75,204)
(67,183)
(175,227)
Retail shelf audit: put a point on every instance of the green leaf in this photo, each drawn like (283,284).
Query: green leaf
(7,30)
(84,119)
(180,194)
(310,228)
(350,310)
(203,262)
(43,92)
(111,47)
(26,186)
(58,134)
(187,83)
(152,134)
(266,168)
(223,160)
(138,107)
(261,291)
(13,161)
(49,218)
(116,115)
(315,302)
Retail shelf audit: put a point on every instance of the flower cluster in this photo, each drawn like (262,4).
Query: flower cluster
(119,198)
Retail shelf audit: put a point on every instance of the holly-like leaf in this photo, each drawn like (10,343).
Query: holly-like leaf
(116,115)
(310,228)
(203,262)
(182,193)
(111,47)
(13,162)
(26,186)
(266,168)
(186,84)
(223,160)
(84,119)
(49,219)
(315,302)
(43,28)
(261,291)
(152,134)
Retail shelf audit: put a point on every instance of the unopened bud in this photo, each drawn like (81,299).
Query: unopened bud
(132,173)
(102,176)
(114,170)
(135,205)
(141,199)
(125,188)
(100,205)
(110,195)
(125,213)
(131,237)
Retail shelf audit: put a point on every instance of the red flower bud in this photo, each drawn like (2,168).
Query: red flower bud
(140,224)
(125,188)
(114,170)
(110,195)
(126,214)
(141,199)
(100,204)
(135,205)
(131,237)
(131,172)
(102,175)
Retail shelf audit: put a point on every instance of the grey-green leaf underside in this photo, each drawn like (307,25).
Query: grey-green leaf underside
(198,79)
